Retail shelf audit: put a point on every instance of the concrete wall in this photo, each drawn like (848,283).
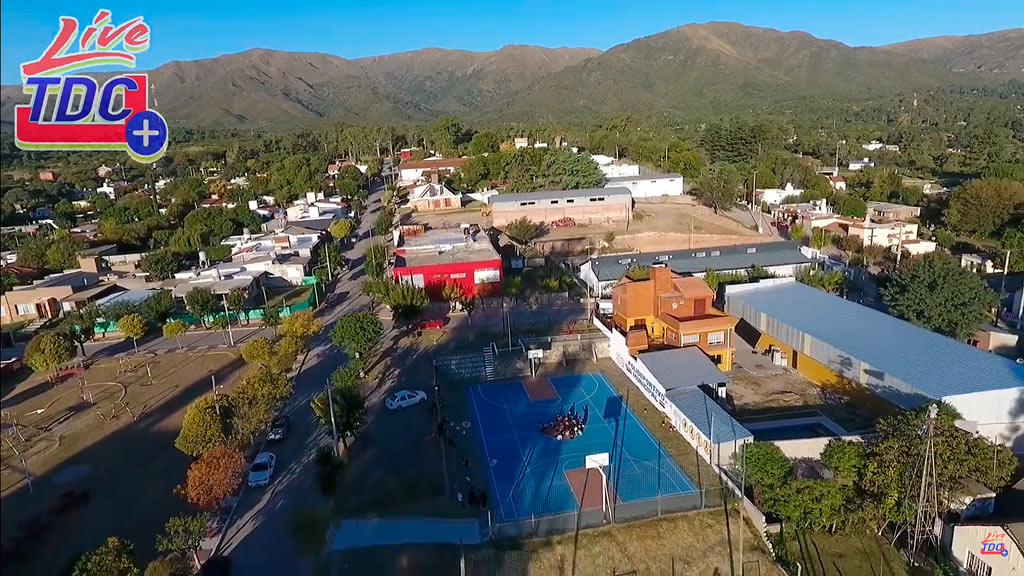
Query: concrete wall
(641,187)
(618,209)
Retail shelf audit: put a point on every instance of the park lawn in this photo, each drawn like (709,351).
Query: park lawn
(289,296)
(695,543)
(825,554)
(126,464)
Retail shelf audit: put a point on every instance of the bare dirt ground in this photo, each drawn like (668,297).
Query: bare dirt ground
(82,438)
(658,224)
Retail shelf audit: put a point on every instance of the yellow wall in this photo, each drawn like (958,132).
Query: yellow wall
(808,367)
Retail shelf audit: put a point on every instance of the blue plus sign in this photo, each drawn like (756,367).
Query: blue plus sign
(145,133)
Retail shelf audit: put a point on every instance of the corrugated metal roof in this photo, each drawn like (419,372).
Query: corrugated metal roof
(701,409)
(682,368)
(610,268)
(932,364)
(559,194)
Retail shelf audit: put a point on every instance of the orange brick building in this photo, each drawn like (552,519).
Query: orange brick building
(672,310)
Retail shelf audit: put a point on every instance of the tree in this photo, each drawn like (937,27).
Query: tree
(385,222)
(272,317)
(134,327)
(173,564)
(766,467)
(1013,242)
(894,455)
(207,424)
(375,261)
(845,458)
(213,477)
(871,254)
(811,504)
(849,205)
(357,333)
(406,301)
(349,410)
(566,170)
(819,238)
(934,292)
(452,293)
(79,326)
(483,143)
(48,351)
(347,375)
(328,468)
(522,230)
(175,329)
(162,264)
(115,557)
(797,233)
(301,325)
(157,308)
(637,272)
(511,286)
(718,189)
(831,281)
(183,534)
(979,208)
(259,351)
(200,303)
(221,324)
(7,281)
(341,229)
(255,401)
(236,301)
(551,285)
(329,253)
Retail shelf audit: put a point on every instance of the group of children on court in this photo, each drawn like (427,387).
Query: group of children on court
(567,426)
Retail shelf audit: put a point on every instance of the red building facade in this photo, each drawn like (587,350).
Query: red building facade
(469,275)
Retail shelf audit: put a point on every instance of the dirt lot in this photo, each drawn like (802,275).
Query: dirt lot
(658,224)
(115,444)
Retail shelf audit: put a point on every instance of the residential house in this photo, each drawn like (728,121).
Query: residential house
(836,182)
(995,339)
(104,171)
(856,165)
(285,254)
(433,197)
(48,175)
(892,211)
(411,171)
(674,311)
(980,263)
(435,258)
(649,185)
(520,142)
(615,168)
(53,295)
(595,205)
(775,196)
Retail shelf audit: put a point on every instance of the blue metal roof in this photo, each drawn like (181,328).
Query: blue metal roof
(932,364)
(699,408)
(682,368)
(610,268)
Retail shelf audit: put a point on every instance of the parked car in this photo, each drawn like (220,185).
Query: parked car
(262,469)
(279,428)
(404,399)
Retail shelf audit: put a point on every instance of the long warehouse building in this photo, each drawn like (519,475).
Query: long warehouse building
(825,336)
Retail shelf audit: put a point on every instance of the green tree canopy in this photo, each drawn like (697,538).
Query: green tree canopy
(523,230)
(259,351)
(357,333)
(341,229)
(203,428)
(48,351)
(200,303)
(933,291)
(115,557)
(162,264)
(406,301)
(175,329)
(133,326)
(375,261)
(718,188)
(980,207)
(183,534)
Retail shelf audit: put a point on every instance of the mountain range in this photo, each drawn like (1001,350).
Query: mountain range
(718,67)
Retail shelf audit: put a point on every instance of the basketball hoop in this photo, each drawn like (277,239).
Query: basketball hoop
(599,461)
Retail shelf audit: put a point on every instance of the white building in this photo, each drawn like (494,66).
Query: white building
(649,185)
(108,190)
(861,164)
(872,146)
(613,168)
(979,263)
(520,142)
(775,196)
(836,182)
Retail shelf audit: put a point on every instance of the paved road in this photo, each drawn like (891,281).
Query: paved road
(258,539)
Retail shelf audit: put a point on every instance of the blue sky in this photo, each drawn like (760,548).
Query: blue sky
(189,29)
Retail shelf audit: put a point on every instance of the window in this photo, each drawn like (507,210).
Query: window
(716,252)
(716,338)
(24,309)
(554,201)
(570,200)
(691,338)
(701,254)
(976,567)
(527,203)
(457,275)
(752,250)
(598,199)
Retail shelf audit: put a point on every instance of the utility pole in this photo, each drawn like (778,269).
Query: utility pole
(216,398)
(1006,268)
(334,427)
(231,334)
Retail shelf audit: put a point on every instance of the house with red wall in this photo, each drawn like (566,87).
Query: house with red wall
(438,257)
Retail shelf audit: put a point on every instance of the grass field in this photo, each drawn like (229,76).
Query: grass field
(121,454)
(859,553)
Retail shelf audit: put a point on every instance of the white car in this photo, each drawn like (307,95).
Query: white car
(262,469)
(404,399)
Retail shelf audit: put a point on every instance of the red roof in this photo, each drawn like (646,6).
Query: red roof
(435,163)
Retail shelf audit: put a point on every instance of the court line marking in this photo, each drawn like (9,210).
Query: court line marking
(483,440)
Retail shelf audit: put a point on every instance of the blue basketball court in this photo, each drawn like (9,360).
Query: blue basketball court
(531,474)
